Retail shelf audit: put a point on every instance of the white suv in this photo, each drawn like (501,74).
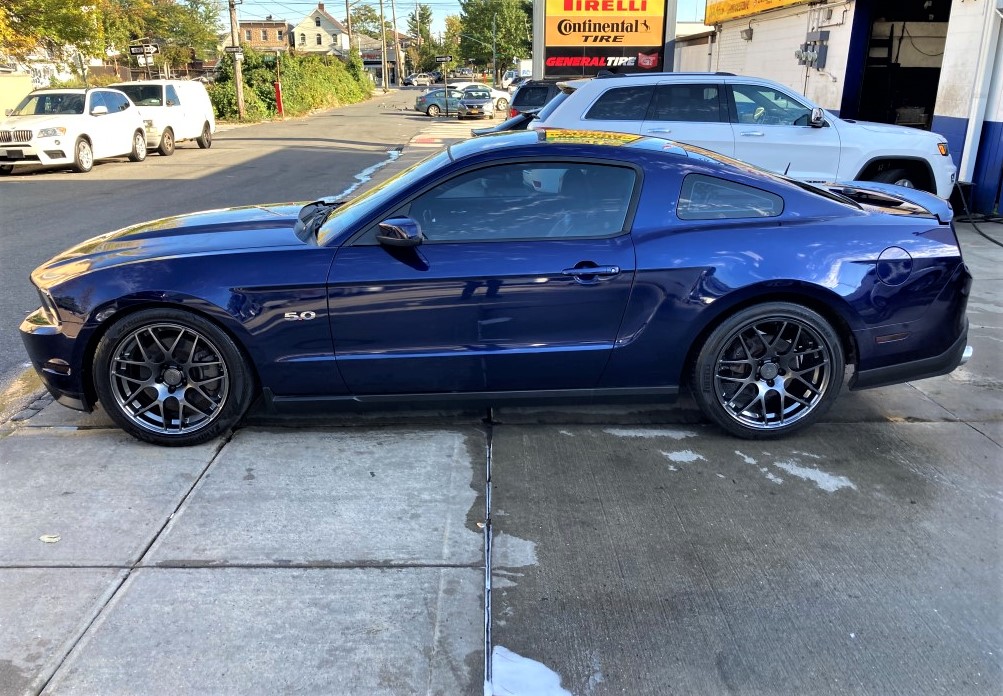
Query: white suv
(71,127)
(757,121)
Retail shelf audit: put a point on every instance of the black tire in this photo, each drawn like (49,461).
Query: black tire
(6,169)
(83,156)
(768,370)
(432,110)
(170,377)
(166,148)
(205,140)
(138,153)
(897,176)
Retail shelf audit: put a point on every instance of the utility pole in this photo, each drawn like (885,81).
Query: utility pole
(397,47)
(238,77)
(494,49)
(348,21)
(383,47)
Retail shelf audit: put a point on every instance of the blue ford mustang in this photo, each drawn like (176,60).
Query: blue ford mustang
(527,265)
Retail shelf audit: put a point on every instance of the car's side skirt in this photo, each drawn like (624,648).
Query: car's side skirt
(285,404)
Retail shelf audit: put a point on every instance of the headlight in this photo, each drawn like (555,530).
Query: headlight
(942,148)
(49,305)
(51,132)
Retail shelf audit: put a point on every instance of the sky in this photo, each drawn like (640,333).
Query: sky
(294,10)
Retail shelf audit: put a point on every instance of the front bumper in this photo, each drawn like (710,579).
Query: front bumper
(51,151)
(51,351)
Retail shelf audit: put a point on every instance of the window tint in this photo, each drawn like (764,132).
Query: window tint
(143,95)
(622,104)
(697,103)
(709,198)
(532,95)
(115,101)
(97,99)
(172,96)
(769,107)
(527,201)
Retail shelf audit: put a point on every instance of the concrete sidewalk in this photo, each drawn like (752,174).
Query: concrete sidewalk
(634,548)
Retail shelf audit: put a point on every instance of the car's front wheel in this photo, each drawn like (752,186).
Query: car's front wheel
(205,140)
(899,177)
(170,377)
(768,370)
(432,110)
(83,156)
(166,148)
(138,153)
(501,104)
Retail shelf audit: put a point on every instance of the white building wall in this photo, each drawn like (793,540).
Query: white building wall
(694,58)
(775,37)
(961,57)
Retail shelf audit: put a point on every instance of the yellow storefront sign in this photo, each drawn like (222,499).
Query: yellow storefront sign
(722,10)
(605,22)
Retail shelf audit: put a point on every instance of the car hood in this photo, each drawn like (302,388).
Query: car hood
(35,122)
(230,230)
(890,129)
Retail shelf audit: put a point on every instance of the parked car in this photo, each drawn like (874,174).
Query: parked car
(476,103)
(760,122)
(532,95)
(418,79)
(175,111)
(500,96)
(508,76)
(71,127)
(515,123)
(642,268)
(434,101)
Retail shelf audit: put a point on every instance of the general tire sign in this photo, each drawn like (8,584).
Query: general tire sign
(585,36)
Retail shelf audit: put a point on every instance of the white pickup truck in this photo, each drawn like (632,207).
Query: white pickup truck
(756,121)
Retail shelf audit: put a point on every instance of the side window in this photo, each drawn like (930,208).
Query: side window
(527,201)
(172,96)
(97,99)
(319,42)
(709,198)
(621,104)
(247,34)
(695,103)
(302,39)
(115,102)
(768,106)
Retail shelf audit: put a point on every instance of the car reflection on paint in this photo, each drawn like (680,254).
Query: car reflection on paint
(525,266)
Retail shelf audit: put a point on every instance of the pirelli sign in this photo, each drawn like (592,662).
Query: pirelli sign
(585,36)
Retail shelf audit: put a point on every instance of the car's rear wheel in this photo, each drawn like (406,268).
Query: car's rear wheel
(83,156)
(768,370)
(205,140)
(138,153)
(899,177)
(166,143)
(432,110)
(501,104)
(170,377)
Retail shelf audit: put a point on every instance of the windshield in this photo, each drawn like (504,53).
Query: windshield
(367,204)
(50,103)
(143,95)
(476,94)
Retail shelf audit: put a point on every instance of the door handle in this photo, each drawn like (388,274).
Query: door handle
(588,273)
(757,134)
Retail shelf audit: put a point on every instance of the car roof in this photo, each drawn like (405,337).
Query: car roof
(57,90)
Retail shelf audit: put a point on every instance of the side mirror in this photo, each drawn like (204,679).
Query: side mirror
(8,112)
(399,232)
(817,119)
(99,110)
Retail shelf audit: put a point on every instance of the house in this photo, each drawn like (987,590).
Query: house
(319,32)
(265,35)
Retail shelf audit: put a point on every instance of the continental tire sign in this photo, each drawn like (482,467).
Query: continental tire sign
(585,36)
(718,11)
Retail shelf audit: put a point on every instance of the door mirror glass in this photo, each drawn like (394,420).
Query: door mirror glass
(817,118)
(399,232)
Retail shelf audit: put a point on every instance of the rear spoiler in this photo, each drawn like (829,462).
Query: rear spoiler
(933,204)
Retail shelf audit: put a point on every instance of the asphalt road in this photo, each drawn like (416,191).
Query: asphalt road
(44,212)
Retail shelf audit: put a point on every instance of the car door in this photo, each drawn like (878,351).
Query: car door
(177,114)
(516,285)
(772,132)
(118,125)
(693,113)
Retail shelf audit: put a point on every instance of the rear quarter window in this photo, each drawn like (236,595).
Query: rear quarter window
(710,198)
(530,96)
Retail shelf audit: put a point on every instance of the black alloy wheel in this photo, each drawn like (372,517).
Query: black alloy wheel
(769,370)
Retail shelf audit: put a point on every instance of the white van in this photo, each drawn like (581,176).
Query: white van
(175,111)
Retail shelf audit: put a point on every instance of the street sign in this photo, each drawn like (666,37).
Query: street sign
(146,49)
(444,59)
(232,49)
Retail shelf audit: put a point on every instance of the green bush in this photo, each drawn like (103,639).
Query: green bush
(308,82)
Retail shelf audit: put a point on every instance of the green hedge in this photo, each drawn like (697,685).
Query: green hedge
(308,82)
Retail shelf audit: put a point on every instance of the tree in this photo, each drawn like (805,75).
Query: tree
(503,24)
(423,51)
(366,20)
(26,25)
